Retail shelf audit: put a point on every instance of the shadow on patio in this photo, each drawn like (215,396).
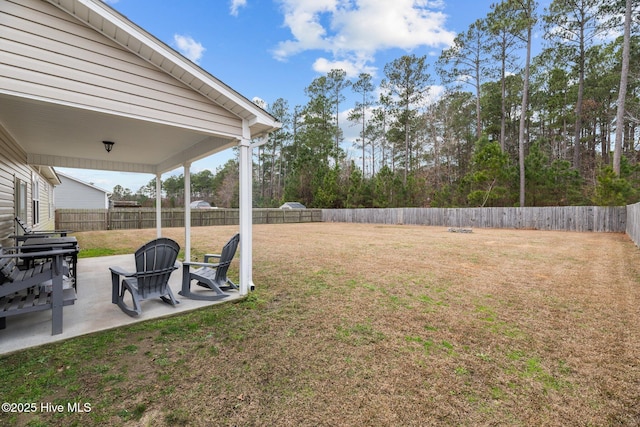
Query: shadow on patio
(93,310)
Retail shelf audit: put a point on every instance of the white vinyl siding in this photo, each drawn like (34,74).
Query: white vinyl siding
(17,177)
(47,54)
(13,169)
(71,194)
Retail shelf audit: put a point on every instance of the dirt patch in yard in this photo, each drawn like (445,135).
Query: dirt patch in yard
(355,324)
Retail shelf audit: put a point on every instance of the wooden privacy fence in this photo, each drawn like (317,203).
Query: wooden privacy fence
(633,223)
(122,219)
(617,219)
(565,218)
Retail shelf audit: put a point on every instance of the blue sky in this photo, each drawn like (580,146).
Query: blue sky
(275,48)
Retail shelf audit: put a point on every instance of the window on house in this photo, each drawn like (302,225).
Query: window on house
(35,195)
(21,199)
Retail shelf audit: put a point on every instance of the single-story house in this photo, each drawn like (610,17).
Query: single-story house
(81,86)
(73,193)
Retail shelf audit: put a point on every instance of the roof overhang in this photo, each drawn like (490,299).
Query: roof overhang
(50,175)
(64,135)
(112,24)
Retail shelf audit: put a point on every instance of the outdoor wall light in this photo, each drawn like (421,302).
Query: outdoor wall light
(108,145)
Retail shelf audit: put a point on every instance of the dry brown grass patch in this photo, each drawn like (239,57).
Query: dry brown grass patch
(357,324)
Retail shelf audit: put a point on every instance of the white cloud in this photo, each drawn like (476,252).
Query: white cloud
(435,93)
(189,47)
(354,30)
(352,67)
(236,5)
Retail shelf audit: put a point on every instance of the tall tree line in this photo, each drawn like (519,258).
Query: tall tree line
(509,129)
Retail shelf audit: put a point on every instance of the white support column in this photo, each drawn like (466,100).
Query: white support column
(158,205)
(246,213)
(187,211)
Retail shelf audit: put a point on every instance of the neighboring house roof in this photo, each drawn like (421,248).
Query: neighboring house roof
(73,193)
(200,204)
(87,184)
(293,205)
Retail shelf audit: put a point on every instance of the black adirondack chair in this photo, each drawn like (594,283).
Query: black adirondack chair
(210,275)
(41,287)
(28,232)
(155,261)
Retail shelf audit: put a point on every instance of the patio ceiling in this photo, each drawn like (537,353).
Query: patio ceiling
(64,136)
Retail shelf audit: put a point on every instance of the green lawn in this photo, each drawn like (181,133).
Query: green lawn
(365,325)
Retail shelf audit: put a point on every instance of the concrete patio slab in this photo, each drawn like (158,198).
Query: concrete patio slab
(93,310)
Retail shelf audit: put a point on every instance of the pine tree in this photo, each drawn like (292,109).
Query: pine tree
(407,81)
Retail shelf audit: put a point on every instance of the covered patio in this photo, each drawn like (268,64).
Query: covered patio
(93,310)
(83,87)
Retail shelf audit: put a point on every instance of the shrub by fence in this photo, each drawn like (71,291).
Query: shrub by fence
(121,219)
(565,218)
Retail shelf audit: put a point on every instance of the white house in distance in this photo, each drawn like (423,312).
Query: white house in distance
(73,193)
